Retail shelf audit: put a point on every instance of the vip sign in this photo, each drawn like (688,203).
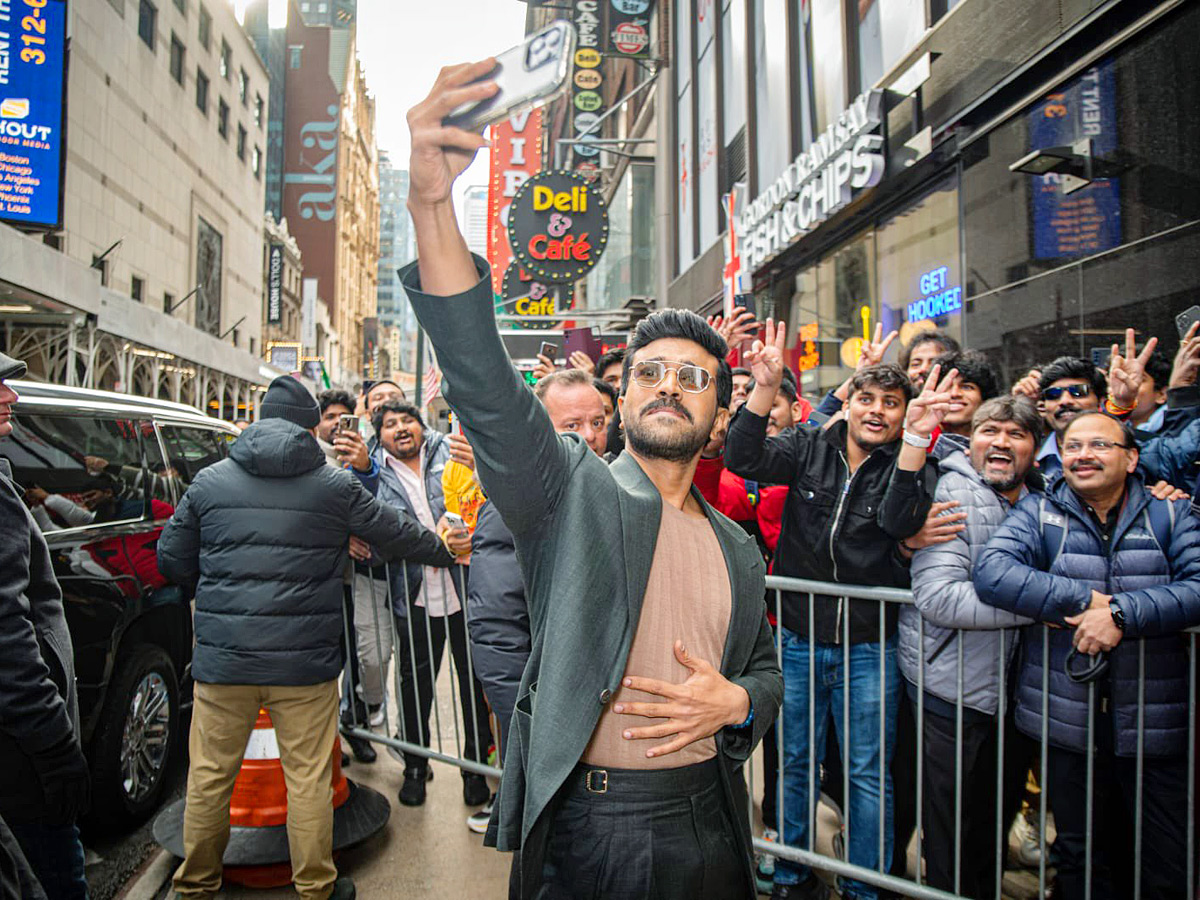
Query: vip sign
(558,227)
(516,155)
(845,159)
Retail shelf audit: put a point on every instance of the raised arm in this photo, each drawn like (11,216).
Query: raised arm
(392,532)
(521,462)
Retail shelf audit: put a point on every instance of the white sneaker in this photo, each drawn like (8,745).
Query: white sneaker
(478,821)
(376,716)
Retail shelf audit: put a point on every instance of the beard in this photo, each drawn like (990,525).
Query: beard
(405,451)
(1005,484)
(672,446)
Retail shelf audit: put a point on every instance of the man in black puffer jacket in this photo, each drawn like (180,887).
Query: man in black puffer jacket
(266,532)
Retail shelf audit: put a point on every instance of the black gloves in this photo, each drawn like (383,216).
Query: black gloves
(66,782)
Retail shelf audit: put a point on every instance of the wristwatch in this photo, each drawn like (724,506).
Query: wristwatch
(921,441)
(1118,616)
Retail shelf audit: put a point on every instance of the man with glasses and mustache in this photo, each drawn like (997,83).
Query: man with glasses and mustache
(652,672)
(856,491)
(1118,571)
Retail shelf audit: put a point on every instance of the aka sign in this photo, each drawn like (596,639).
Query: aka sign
(558,227)
(847,158)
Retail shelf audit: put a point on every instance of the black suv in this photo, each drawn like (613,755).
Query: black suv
(102,474)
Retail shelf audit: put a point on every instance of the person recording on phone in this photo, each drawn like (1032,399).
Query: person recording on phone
(426,602)
(652,672)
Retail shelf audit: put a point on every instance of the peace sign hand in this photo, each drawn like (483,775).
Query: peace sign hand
(1126,373)
(873,351)
(926,412)
(765,357)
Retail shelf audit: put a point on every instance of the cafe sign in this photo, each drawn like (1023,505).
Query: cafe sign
(846,159)
(558,227)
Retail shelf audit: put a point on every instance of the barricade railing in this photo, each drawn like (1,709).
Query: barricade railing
(413,725)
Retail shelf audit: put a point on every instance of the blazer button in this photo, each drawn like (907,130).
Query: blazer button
(605,695)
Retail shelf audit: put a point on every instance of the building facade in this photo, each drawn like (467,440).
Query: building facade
(397,247)
(887,178)
(282,277)
(475,218)
(153,285)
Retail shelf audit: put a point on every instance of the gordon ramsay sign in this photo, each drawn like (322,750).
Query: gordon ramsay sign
(558,227)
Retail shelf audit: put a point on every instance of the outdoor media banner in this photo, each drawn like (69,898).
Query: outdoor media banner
(627,33)
(32,69)
(587,84)
(275,285)
(1089,220)
(516,155)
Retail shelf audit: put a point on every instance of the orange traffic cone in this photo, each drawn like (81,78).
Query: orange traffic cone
(257,853)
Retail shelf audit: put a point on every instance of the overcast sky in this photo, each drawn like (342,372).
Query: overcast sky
(403,44)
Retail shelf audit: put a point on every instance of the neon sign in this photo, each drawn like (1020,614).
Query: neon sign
(937,299)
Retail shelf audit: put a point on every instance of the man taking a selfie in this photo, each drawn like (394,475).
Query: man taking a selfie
(652,673)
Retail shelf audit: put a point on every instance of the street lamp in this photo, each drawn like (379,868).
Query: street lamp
(1074,164)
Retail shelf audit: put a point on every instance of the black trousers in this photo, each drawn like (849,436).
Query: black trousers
(1164,822)
(982,848)
(419,657)
(651,835)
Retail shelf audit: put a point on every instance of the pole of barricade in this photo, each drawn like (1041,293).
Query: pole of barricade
(471,682)
(409,603)
(958,768)
(812,719)
(1090,791)
(1191,769)
(1141,751)
(846,804)
(383,661)
(452,665)
(433,704)
(351,647)
(1044,759)
(1001,712)
(920,746)
(882,732)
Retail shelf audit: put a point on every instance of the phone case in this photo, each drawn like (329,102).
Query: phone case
(528,75)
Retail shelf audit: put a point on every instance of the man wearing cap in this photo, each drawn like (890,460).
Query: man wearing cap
(266,533)
(44,782)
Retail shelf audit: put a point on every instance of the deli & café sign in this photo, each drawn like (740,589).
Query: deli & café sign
(558,227)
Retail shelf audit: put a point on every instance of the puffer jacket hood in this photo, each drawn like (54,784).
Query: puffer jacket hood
(277,448)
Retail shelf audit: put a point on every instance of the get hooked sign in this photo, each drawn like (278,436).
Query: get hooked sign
(32,68)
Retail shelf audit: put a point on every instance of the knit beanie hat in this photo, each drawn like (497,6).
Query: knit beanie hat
(287,398)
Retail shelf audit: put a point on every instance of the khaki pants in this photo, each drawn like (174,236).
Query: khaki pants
(305,720)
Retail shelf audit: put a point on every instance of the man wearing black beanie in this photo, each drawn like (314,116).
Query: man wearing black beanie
(266,532)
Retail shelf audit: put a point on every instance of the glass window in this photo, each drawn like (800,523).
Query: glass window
(773,152)
(733,36)
(222,118)
(147,22)
(201,91)
(706,134)
(628,265)
(685,176)
(827,60)
(137,288)
(294,56)
(258,110)
(887,29)
(78,470)
(241,142)
(226,57)
(209,257)
(204,30)
(190,449)
(243,85)
(177,54)
(256,161)
(181,5)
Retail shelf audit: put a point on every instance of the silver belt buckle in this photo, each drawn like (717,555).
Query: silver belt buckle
(601,777)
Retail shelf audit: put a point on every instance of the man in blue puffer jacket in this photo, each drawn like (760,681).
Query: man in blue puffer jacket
(1100,556)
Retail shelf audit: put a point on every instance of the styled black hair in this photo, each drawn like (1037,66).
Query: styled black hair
(1011,408)
(1074,367)
(685,324)
(395,406)
(739,370)
(615,355)
(948,344)
(334,397)
(888,376)
(972,367)
(606,389)
(1158,367)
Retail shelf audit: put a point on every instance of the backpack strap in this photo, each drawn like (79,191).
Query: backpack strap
(1160,515)
(1053,526)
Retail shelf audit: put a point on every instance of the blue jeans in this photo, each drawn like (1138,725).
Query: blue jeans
(56,856)
(861,752)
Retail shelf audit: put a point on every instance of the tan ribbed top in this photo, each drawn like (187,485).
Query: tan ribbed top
(688,599)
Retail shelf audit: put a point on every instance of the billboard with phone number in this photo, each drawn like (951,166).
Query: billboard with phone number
(32,75)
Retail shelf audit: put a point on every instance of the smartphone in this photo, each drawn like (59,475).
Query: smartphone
(549,350)
(583,340)
(348,423)
(746,301)
(1184,320)
(457,522)
(528,75)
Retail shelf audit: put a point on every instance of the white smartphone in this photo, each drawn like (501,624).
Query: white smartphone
(456,522)
(528,75)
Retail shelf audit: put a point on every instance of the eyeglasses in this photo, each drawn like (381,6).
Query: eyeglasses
(1097,445)
(1075,390)
(693,379)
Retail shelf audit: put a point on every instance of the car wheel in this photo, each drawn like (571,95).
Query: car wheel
(134,738)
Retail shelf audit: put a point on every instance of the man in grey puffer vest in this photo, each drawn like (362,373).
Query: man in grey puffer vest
(986,480)
(267,531)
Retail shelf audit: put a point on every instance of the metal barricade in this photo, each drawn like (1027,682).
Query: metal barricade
(415,732)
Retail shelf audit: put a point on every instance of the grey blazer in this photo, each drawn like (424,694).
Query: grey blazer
(585,535)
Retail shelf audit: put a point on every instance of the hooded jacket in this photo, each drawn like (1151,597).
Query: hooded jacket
(944,595)
(267,532)
(1157,588)
(837,526)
